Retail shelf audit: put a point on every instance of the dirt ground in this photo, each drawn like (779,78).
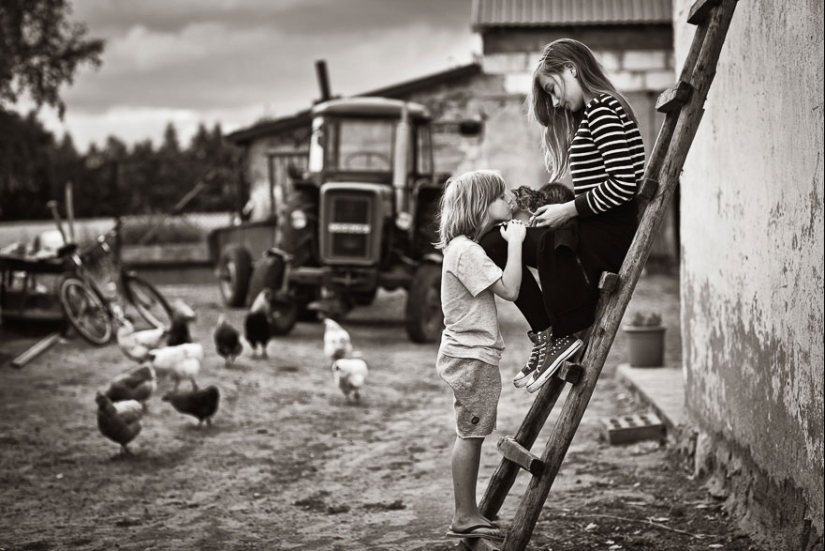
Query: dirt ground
(290,465)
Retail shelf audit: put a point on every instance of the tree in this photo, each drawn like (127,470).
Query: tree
(171,144)
(26,180)
(42,49)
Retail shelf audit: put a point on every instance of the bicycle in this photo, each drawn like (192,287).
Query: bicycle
(92,311)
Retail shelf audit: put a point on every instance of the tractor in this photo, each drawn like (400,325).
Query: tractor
(362,216)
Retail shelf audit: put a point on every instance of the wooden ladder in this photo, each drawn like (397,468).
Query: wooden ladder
(683,106)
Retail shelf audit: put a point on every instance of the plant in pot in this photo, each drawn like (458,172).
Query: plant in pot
(645,339)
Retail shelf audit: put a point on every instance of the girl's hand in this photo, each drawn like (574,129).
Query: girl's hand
(553,216)
(514,231)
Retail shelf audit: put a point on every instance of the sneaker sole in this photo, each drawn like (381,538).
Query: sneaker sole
(522,382)
(550,371)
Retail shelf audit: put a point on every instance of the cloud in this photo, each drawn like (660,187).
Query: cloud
(145,50)
(190,60)
(290,16)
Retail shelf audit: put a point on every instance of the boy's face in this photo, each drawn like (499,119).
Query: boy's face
(501,209)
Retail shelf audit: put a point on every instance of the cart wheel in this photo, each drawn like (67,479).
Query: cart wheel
(86,311)
(147,300)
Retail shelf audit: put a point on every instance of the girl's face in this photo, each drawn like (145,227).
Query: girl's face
(564,89)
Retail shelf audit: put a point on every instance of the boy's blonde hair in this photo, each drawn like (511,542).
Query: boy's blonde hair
(559,123)
(465,202)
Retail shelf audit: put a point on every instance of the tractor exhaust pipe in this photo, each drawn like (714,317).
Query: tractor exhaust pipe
(403,217)
(323,80)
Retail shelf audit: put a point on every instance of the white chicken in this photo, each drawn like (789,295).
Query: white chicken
(178,363)
(350,374)
(137,344)
(337,343)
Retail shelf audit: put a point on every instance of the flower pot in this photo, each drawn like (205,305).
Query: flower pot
(646,345)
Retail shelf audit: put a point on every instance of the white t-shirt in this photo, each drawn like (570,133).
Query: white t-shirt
(470,315)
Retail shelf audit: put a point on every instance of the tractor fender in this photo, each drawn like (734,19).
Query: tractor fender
(433,258)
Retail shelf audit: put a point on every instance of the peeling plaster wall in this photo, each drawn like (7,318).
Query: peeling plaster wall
(752,244)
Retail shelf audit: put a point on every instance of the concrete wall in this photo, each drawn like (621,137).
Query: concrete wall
(752,269)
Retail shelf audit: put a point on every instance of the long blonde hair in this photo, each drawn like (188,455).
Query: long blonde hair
(560,124)
(464,204)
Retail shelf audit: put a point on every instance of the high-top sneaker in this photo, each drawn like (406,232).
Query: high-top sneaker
(560,349)
(541,341)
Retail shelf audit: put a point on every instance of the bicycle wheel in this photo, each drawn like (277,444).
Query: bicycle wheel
(86,311)
(147,300)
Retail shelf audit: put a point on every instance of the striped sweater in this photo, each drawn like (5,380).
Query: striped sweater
(607,157)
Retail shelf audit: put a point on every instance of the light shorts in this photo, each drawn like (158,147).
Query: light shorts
(476,387)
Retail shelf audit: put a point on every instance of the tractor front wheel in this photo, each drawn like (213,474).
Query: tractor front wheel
(234,270)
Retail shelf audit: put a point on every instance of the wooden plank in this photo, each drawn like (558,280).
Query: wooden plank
(608,282)
(35,350)
(674,98)
(570,372)
(518,454)
(611,308)
(648,189)
(700,9)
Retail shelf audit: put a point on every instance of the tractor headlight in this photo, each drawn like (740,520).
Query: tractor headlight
(298,219)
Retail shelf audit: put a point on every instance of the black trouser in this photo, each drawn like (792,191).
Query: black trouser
(568,302)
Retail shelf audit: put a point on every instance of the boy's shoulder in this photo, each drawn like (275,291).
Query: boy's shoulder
(458,247)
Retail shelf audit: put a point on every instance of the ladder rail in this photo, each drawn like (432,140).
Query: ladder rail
(710,35)
(505,474)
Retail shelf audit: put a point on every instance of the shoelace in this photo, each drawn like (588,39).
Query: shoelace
(539,352)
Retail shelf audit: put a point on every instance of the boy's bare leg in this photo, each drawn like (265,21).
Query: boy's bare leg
(465,462)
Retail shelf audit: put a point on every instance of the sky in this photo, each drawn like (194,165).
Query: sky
(234,62)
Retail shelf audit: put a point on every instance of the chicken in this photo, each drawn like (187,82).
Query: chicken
(227,340)
(257,321)
(201,404)
(178,362)
(182,315)
(350,374)
(137,344)
(337,343)
(120,421)
(136,384)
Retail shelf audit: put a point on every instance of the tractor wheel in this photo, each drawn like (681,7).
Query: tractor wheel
(234,270)
(424,319)
(284,317)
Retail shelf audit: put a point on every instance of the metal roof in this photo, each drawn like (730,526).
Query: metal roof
(552,13)
(301,119)
(370,105)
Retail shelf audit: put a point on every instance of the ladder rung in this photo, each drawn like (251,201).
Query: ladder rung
(521,456)
(570,372)
(608,282)
(700,9)
(674,98)
(648,188)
